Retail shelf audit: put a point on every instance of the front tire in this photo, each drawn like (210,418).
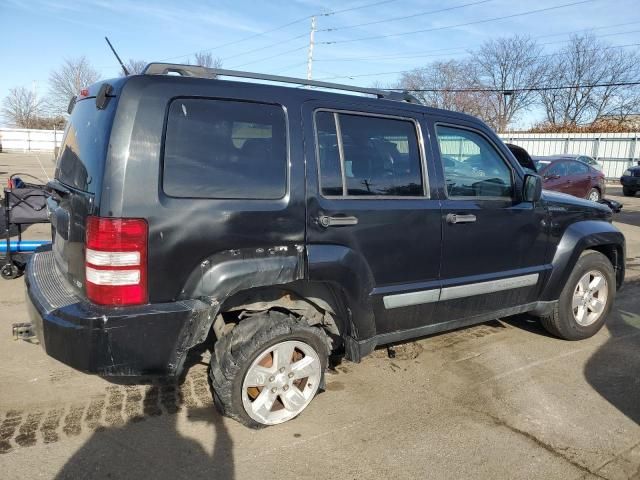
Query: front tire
(586,299)
(268,368)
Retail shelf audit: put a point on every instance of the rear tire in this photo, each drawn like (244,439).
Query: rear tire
(581,312)
(628,192)
(594,195)
(251,354)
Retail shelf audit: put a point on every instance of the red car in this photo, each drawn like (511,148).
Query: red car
(572,177)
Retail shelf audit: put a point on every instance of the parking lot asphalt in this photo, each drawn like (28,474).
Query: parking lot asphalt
(498,400)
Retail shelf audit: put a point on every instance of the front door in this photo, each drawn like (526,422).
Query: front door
(493,243)
(369,199)
(556,178)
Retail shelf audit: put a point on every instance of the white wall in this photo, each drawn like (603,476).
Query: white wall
(615,151)
(29,140)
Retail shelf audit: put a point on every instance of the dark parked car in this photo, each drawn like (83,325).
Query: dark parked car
(630,181)
(293,224)
(572,177)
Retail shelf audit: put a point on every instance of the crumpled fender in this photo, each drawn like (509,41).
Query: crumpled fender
(577,238)
(223,274)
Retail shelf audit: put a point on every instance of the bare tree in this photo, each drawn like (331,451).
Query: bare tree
(135,67)
(508,65)
(65,82)
(22,108)
(445,85)
(206,59)
(584,63)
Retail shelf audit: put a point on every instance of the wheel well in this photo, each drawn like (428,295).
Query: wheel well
(614,254)
(317,303)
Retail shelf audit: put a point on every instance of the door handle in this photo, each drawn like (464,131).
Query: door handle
(457,218)
(326,221)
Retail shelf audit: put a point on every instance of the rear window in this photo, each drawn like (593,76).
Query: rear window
(225,149)
(84,148)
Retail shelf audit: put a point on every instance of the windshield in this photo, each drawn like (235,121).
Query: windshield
(540,164)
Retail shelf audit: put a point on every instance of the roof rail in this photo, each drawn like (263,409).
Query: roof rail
(205,72)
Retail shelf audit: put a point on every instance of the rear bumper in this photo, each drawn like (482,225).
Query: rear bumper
(124,341)
(630,182)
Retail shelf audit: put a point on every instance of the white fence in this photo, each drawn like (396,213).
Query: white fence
(29,140)
(615,151)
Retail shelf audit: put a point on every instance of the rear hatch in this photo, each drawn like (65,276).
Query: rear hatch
(78,181)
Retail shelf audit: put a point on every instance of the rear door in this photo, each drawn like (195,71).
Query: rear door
(578,178)
(368,194)
(77,183)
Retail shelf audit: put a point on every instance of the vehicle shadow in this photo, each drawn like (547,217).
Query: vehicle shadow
(161,443)
(613,370)
(154,449)
(629,217)
(528,323)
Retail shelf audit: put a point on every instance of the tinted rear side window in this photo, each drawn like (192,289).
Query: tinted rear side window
(225,149)
(363,155)
(84,149)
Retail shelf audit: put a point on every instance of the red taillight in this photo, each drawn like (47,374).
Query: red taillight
(84,92)
(116,260)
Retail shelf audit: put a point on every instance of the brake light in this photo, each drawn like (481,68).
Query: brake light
(116,260)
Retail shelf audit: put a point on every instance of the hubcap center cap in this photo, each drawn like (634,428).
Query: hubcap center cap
(281,380)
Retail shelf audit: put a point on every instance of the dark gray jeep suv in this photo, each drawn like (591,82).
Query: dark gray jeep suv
(295,223)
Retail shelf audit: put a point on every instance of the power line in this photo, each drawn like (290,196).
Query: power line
(351,9)
(446,27)
(275,29)
(403,71)
(235,42)
(430,12)
(524,89)
(272,56)
(264,47)
(457,50)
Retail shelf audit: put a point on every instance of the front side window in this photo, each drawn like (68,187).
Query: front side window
(472,166)
(363,155)
(577,168)
(556,170)
(225,149)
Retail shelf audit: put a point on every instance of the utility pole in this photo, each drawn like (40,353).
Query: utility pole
(310,56)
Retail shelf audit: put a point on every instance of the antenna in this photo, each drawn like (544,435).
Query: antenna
(124,69)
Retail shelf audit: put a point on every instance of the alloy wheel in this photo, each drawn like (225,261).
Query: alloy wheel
(590,298)
(281,382)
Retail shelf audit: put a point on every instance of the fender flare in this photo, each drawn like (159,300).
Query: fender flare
(223,274)
(578,237)
(349,273)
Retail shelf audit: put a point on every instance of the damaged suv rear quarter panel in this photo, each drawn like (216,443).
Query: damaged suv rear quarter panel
(185,232)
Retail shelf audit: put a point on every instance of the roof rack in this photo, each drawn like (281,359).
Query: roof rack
(205,72)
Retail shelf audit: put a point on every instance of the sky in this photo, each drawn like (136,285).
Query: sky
(359,42)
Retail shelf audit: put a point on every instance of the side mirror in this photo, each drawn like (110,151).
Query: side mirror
(532,188)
